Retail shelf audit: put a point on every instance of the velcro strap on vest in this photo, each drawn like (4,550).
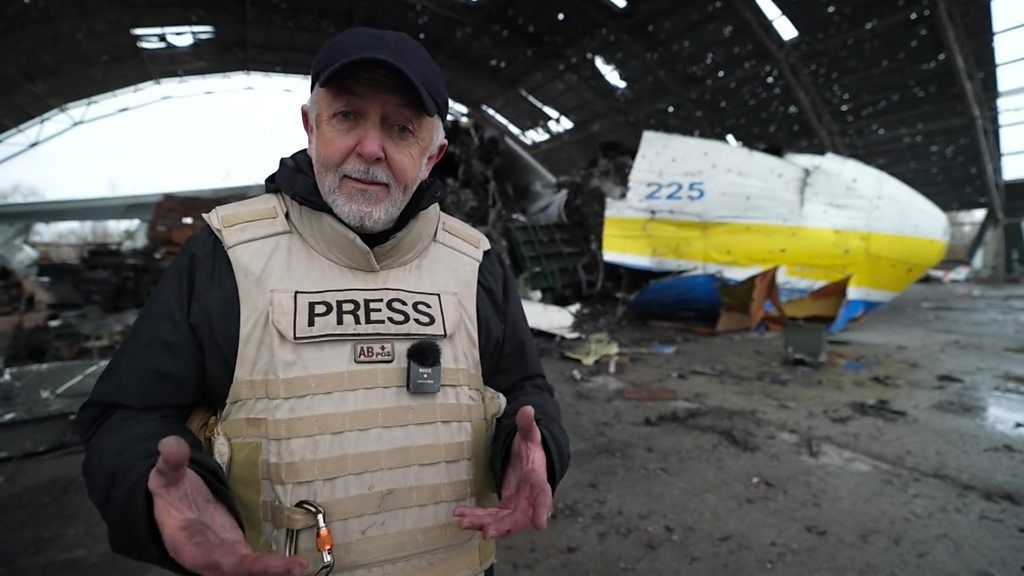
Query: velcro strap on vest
(236,218)
(483,489)
(294,387)
(249,220)
(373,549)
(281,516)
(357,463)
(337,422)
(461,237)
(469,560)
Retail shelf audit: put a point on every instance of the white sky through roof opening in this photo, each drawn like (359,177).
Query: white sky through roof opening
(160,37)
(557,122)
(1008,50)
(191,133)
(511,127)
(610,72)
(457,110)
(782,24)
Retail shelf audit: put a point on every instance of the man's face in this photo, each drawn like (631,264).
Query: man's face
(371,146)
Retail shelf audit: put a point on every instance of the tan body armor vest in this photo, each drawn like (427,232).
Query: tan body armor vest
(319,409)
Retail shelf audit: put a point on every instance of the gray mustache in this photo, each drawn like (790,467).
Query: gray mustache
(368,174)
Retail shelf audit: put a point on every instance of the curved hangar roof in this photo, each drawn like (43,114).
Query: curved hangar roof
(876,80)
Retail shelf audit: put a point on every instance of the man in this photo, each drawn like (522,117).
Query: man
(356,345)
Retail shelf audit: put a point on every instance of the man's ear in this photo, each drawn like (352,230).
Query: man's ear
(307,124)
(433,159)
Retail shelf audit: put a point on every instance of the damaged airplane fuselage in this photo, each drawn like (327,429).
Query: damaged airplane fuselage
(704,207)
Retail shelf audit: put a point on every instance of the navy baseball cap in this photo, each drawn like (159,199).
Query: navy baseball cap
(396,49)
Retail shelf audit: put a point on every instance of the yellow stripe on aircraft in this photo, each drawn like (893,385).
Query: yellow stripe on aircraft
(874,260)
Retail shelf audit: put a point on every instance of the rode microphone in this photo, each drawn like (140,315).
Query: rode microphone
(424,368)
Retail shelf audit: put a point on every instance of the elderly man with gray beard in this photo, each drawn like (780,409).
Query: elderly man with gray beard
(334,375)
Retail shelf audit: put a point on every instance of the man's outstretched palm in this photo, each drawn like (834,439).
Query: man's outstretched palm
(526,494)
(198,530)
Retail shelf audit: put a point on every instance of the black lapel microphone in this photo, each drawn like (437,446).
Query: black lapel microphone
(424,368)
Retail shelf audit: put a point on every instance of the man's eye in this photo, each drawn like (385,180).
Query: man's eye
(403,129)
(345,114)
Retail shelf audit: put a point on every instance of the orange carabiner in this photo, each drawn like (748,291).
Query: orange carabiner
(324,539)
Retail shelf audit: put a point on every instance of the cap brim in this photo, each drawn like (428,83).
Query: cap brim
(428,104)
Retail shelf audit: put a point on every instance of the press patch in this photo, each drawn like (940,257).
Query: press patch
(367,352)
(356,313)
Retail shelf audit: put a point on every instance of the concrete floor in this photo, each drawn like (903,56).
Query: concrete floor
(908,460)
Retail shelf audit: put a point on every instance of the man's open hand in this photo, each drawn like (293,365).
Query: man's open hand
(526,494)
(198,530)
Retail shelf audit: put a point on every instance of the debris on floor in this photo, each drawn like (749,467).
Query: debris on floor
(880,408)
(804,342)
(612,364)
(40,403)
(659,348)
(643,393)
(555,320)
(595,347)
(1013,377)
(737,427)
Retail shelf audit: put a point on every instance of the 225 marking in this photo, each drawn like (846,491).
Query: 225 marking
(695,191)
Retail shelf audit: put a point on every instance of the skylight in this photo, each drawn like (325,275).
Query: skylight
(782,24)
(558,122)
(515,130)
(1008,49)
(160,37)
(457,110)
(610,72)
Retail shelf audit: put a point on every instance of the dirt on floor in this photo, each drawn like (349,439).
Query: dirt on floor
(902,454)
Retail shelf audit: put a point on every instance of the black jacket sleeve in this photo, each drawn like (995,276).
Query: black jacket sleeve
(179,354)
(511,365)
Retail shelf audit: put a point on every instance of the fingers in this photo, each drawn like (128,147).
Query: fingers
(526,425)
(542,503)
(470,511)
(172,464)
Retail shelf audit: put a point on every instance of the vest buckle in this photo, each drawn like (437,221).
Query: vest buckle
(324,539)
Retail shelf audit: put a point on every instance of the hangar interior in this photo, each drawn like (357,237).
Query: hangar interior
(902,452)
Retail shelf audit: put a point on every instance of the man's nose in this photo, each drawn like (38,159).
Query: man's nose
(371,145)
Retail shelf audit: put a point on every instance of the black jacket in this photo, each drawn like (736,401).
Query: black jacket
(181,353)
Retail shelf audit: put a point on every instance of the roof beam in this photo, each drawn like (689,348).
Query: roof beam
(967,77)
(805,91)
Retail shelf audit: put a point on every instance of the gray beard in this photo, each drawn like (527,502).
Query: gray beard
(359,211)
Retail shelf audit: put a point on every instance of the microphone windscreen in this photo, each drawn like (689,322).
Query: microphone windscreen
(424,353)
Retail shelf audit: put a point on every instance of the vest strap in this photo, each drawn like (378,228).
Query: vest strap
(287,517)
(294,387)
(335,422)
(483,489)
(248,220)
(236,218)
(357,463)
(461,237)
(471,560)
(399,545)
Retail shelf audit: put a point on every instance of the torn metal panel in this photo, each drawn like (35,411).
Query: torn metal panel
(38,404)
(556,320)
(710,302)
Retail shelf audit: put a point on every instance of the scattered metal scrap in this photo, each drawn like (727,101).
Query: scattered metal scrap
(40,402)
(880,408)
(737,427)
